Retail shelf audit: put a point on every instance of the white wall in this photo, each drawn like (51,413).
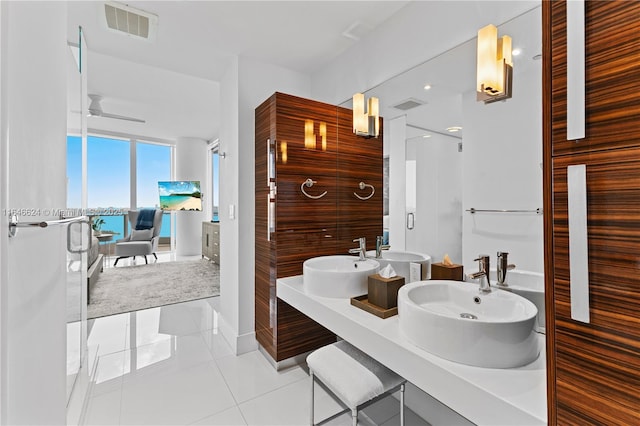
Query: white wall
(503,170)
(230,304)
(246,85)
(33,291)
(191,164)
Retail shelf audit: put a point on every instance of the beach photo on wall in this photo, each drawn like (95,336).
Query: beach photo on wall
(180,195)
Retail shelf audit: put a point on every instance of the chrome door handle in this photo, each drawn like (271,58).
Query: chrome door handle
(71,224)
(15,223)
(411,220)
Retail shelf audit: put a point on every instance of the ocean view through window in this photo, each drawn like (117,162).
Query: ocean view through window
(109,179)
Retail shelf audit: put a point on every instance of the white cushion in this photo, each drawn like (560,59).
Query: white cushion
(141,234)
(351,374)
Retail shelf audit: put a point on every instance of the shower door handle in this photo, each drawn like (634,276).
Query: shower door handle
(271,184)
(78,222)
(411,220)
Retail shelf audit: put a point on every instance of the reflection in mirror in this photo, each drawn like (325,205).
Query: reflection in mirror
(448,153)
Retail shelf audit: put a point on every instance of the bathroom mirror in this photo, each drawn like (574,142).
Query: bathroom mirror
(437,173)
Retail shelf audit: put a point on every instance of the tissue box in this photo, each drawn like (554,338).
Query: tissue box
(383,292)
(440,271)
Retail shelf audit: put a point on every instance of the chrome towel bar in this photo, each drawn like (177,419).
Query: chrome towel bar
(473,211)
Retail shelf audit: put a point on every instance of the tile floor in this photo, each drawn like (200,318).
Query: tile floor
(163,256)
(169,365)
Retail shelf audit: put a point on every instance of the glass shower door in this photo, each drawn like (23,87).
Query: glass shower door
(433,200)
(76,245)
(77,248)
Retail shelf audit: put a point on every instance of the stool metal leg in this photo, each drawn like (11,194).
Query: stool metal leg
(313,382)
(402,404)
(354,416)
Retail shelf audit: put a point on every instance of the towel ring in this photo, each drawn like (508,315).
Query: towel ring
(309,183)
(363,185)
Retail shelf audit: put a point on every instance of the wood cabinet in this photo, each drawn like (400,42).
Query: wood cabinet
(594,368)
(211,241)
(302,227)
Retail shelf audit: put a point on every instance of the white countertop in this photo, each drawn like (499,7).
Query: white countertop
(485,396)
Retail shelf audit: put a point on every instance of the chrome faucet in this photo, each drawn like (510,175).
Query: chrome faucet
(380,246)
(503,267)
(483,273)
(362,249)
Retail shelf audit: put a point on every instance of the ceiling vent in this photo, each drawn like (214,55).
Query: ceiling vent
(133,22)
(409,104)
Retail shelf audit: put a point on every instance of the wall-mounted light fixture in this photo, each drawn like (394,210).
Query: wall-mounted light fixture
(495,66)
(323,136)
(366,124)
(309,136)
(310,141)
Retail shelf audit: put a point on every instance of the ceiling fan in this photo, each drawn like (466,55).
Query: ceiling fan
(95,110)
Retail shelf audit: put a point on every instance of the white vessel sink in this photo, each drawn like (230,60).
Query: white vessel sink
(529,285)
(337,276)
(400,261)
(453,320)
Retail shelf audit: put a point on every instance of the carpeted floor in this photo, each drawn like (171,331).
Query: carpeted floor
(131,288)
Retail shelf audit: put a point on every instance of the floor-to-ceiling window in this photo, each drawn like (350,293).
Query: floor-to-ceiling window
(115,183)
(153,164)
(109,181)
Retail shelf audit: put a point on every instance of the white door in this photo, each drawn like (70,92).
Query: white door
(33,275)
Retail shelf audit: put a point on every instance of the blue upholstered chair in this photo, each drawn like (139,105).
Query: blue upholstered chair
(140,242)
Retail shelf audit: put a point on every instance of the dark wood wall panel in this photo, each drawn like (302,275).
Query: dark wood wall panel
(360,160)
(603,355)
(594,369)
(305,227)
(612,74)
(308,227)
(547,193)
(297,333)
(265,266)
(298,212)
(294,247)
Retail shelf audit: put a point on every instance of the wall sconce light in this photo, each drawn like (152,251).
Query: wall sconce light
(310,141)
(494,66)
(283,151)
(309,136)
(323,135)
(366,124)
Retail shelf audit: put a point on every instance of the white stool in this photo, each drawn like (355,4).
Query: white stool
(354,377)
